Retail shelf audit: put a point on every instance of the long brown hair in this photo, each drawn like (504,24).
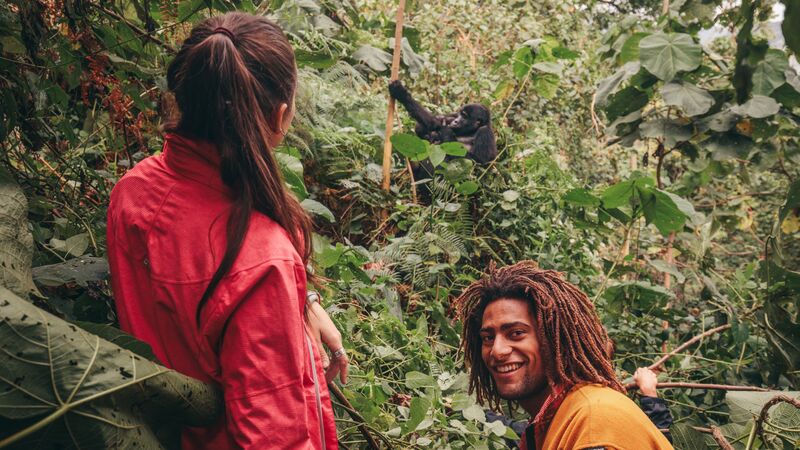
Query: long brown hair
(229,79)
(571,337)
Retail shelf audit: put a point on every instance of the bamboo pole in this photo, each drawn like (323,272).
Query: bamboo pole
(387,144)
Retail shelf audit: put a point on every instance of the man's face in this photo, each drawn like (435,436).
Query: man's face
(510,349)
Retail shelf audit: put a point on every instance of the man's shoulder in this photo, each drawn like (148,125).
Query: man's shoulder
(594,416)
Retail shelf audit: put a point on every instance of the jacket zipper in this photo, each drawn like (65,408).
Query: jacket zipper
(317,393)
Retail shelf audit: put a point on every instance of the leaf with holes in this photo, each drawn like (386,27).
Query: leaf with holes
(65,386)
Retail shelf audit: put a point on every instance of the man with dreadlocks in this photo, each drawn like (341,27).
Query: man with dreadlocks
(533,338)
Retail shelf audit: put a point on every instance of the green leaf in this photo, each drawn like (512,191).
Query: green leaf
(642,295)
(468,187)
(118,337)
(581,197)
(454,148)
(684,437)
(672,269)
(89,389)
(549,67)
(75,270)
(757,107)
(317,208)
(457,170)
(721,121)
(664,55)
(74,245)
(522,62)
(417,380)
(728,146)
(618,194)
(670,131)
(564,53)
(375,58)
(474,412)
(625,102)
(690,98)
(16,242)
(510,195)
(503,90)
(436,155)
(545,84)
(745,405)
(660,210)
(410,146)
(608,85)
(417,411)
(769,73)
(630,49)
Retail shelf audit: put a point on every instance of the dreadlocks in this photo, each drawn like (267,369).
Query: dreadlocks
(572,339)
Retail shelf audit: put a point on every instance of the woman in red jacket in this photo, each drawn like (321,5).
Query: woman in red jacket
(208,249)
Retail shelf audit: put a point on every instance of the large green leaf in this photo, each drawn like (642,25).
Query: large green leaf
(630,49)
(608,85)
(16,242)
(670,131)
(664,55)
(625,102)
(688,97)
(769,73)
(747,405)
(757,107)
(410,146)
(375,58)
(618,194)
(64,386)
(728,146)
(660,210)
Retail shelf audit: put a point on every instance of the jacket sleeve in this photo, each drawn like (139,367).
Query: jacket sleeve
(658,412)
(263,357)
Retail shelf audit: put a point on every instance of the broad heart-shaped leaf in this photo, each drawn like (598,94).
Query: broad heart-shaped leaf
(660,210)
(630,49)
(375,58)
(638,294)
(418,409)
(581,197)
(692,100)
(436,155)
(721,121)
(318,208)
(85,392)
(618,194)
(664,55)
(747,405)
(727,146)
(769,73)
(468,187)
(410,146)
(670,131)
(757,107)
(16,242)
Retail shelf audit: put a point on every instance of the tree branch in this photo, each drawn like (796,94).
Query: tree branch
(686,345)
(362,427)
(723,443)
(723,387)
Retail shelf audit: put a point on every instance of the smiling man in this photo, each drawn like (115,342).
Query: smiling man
(535,339)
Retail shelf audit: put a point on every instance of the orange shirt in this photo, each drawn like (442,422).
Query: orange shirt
(598,417)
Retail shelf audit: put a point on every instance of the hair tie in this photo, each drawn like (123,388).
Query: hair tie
(225,31)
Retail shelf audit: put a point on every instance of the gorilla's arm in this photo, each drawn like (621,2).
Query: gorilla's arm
(484,148)
(415,110)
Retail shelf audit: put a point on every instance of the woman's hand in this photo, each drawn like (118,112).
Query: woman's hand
(647,380)
(325,332)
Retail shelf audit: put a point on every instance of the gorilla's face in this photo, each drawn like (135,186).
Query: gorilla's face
(470,118)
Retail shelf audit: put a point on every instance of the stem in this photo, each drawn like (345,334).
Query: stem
(721,387)
(686,345)
(616,261)
(355,415)
(716,433)
(387,144)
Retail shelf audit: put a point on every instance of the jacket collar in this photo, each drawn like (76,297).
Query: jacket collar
(195,159)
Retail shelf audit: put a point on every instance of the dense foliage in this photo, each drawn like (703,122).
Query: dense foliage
(655,166)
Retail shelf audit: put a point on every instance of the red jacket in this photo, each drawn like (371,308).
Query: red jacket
(166,236)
